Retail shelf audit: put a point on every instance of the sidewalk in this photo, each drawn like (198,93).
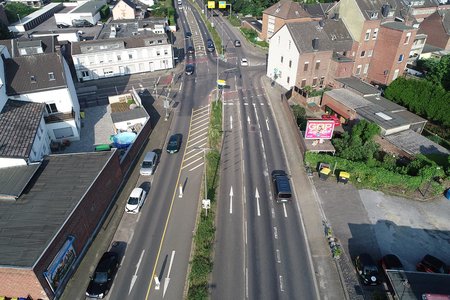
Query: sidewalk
(326,269)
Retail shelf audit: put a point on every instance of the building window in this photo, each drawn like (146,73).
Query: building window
(358,70)
(159,41)
(51,76)
(363,53)
(366,67)
(287,79)
(375,34)
(290,63)
(51,108)
(369,54)
(322,79)
(314,83)
(400,58)
(130,56)
(282,59)
(305,67)
(33,79)
(166,52)
(317,64)
(407,37)
(303,84)
(119,57)
(395,74)
(367,37)
(84,73)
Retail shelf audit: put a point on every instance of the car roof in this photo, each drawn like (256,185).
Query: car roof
(136,192)
(104,262)
(149,155)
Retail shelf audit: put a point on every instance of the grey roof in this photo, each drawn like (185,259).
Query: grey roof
(360,86)
(348,98)
(304,33)
(129,3)
(151,39)
(318,10)
(287,9)
(127,115)
(19,122)
(385,103)
(338,34)
(415,143)
(46,43)
(427,48)
(397,26)
(20,72)
(129,28)
(91,6)
(30,223)
(370,113)
(368,7)
(410,117)
(14,180)
(253,22)
(445,17)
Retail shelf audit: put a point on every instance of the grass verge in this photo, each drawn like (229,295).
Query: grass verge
(214,34)
(202,259)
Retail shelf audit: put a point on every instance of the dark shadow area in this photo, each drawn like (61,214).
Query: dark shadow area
(120,248)
(148,101)
(146,187)
(161,273)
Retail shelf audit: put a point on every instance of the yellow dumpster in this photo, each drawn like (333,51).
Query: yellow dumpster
(343,177)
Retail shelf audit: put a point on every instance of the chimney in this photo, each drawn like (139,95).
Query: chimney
(385,10)
(315,44)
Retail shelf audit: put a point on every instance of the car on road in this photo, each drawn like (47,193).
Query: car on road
(334,118)
(367,269)
(244,62)
(149,163)
(190,50)
(237,43)
(135,201)
(103,275)
(281,186)
(173,146)
(432,264)
(210,45)
(187,34)
(189,70)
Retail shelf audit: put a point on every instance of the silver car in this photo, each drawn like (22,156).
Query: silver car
(149,164)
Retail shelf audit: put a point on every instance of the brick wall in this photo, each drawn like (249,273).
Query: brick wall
(20,283)
(362,50)
(312,72)
(437,36)
(342,110)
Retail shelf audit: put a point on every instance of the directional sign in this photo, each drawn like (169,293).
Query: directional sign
(221,82)
(211,4)
(206,203)
(222,4)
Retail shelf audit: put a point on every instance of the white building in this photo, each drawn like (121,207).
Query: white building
(81,10)
(122,56)
(46,78)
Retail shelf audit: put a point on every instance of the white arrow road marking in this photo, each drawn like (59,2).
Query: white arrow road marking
(267,124)
(231,199)
(257,202)
(167,280)
(231,122)
(248,120)
(284,208)
(133,279)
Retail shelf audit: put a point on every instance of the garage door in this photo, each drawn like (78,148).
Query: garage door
(63,132)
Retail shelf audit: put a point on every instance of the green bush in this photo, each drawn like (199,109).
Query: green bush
(234,21)
(12,9)
(105,12)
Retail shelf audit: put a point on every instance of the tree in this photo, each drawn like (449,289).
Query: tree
(437,70)
(12,9)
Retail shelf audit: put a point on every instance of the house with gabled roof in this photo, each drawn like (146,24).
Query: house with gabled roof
(437,28)
(285,11)
(124,10)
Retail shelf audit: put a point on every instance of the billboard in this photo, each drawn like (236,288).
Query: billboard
(211,4)
(222,4)
(319,129)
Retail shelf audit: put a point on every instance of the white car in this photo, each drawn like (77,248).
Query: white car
(135,201)
(244,62)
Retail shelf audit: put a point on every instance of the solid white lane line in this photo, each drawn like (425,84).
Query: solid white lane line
(285,211)
(245,231)
(246,283)
(273,213)
(267,124)
(231,199)
(281,284)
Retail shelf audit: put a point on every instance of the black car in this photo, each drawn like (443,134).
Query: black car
(190,50)
(431,264)
(210,45)
(173,146)
(187,34)
(189,69)
(281,186)
(237,43)
(367,269)
(103,275)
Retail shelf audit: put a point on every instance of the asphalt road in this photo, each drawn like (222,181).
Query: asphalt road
(261,251)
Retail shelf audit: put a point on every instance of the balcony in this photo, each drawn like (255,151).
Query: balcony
(59,117)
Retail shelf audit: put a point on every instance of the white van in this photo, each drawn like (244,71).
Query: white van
(149,164)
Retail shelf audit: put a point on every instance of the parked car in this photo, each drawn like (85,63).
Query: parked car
(187,34)
(103,275)
(237,43)
(189,70)
(149,163)
(135,201)
(210,45)
(336,120)
(190,50)
(244,62)
(173,146)
(367,269)
(431,264)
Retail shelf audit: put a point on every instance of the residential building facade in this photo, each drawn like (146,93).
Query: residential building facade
(437,28)
(121,56)
(124,9)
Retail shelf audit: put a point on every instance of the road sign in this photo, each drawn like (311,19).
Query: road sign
(206,203)
(211,4)
(221,82)
(166,103)
(222,4)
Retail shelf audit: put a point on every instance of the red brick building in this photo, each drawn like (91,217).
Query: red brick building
(437,27)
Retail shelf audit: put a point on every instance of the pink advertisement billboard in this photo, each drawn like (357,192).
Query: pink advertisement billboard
(319,129)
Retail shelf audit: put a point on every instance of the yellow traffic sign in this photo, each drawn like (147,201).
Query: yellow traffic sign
(211,4)
(222,4)
(221,82)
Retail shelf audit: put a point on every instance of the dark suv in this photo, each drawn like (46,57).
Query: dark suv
(103,275)
(281,186)
(432,264)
